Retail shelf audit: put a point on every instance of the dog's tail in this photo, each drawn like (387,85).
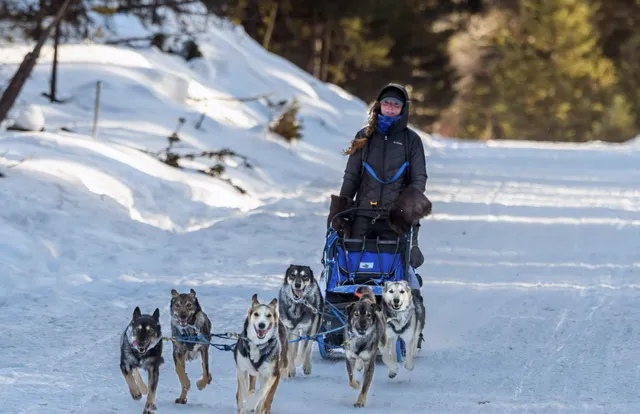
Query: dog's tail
(365,292)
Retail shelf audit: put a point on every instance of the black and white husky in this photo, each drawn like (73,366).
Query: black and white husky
(141,348)
(301,306)
(405,316)
(261,352)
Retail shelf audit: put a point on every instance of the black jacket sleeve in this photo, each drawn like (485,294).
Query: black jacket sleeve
(352,173)
(418,164)
(352,176)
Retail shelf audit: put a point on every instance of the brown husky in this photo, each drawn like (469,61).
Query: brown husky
(188,319)
(365,334)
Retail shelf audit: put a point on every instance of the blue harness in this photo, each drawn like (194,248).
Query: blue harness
(398,173)
(393,179)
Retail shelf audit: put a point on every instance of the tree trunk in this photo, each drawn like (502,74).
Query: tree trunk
(270,25)
(40,15)
(315,63)
(54,68)
(252,18)
(26,67)
(326,48)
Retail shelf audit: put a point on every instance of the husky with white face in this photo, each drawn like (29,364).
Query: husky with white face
(261,351)
(406,316)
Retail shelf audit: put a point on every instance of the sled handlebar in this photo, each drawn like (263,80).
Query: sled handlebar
(378,211)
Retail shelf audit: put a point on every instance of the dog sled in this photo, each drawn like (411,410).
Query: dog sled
(349,263)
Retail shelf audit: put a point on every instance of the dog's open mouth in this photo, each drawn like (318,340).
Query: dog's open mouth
(262,332)
(298,293)
(396,306)
(140,348)
(184,322)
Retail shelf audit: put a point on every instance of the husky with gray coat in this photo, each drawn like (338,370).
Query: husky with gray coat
(405,316)
(301,305)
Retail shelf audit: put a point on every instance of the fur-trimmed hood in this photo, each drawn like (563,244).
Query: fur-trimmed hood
(374,110)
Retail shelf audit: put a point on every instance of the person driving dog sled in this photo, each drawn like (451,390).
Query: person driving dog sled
(386,169)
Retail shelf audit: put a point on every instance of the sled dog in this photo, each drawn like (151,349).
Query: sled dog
(300,305)
(364,335)
(405,316)
(141,348)
(188,319)
(261,351)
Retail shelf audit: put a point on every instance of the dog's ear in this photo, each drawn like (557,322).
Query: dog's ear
(274,307)
(192,293)
(136,313)
(254,300)
(405,284)
(376,308)
(174,293)
(156,315)
(349,308)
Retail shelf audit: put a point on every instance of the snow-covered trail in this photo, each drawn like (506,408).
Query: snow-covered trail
(529,287)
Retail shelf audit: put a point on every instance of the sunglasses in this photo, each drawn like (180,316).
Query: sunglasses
(395,103)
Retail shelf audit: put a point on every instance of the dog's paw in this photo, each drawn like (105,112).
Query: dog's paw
(393,370)
(149,408)
(409,365)
(136,395)
(359,404)
(306,369)
(202,383)
(355,384)
(181,400)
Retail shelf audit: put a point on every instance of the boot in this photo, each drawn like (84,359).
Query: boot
(415,256)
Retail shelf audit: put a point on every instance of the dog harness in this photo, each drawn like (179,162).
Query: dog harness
(401,330)
(245,350)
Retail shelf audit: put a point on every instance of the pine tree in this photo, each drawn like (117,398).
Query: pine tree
(617,21)
(549,80)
